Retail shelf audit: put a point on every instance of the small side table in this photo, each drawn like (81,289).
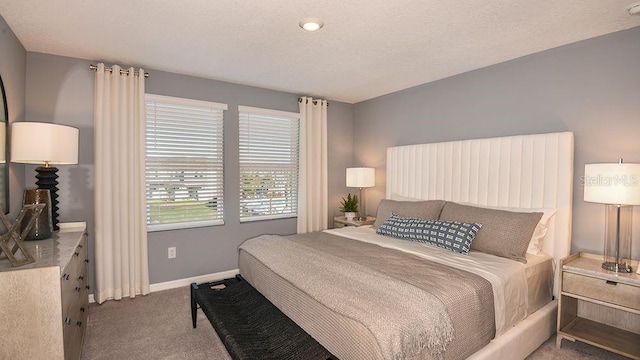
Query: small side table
(341,221)
(599,307)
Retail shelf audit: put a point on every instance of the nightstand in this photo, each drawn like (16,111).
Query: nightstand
(341,221)
(599,307)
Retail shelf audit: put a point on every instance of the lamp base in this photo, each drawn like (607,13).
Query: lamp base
(47,179)
(613,266)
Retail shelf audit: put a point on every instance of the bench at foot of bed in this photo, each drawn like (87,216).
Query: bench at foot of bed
(249,326)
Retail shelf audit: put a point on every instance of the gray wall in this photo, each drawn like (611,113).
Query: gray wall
(60,90)
(591,88)
(13,71)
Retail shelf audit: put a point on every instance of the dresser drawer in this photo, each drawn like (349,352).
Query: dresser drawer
(73,279)
(75,301)
(599,289)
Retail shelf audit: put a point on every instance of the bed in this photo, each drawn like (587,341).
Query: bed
(337,285)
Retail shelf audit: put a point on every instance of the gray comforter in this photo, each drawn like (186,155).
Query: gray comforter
(412,307)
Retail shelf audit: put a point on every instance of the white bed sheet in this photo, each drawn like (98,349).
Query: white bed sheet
(508,278)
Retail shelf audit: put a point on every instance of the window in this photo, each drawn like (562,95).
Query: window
(184,163)
(268,164)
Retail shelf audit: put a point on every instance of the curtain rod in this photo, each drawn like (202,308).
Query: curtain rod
(315,102)
(108,68)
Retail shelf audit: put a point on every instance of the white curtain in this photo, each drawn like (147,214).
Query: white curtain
(312,185)
(120,226)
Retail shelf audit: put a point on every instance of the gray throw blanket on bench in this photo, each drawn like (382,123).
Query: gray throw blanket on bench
(390,312)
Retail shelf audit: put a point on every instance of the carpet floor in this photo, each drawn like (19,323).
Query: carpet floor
(158,326)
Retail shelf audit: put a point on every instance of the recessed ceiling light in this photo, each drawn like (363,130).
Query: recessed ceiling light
(311,24)
(634,9)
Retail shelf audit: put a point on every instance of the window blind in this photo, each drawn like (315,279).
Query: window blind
(184,163)
(268,163)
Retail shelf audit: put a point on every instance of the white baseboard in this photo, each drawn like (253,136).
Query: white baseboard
(187,281)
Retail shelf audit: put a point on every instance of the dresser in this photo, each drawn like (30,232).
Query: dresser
(599,307)
(44,305)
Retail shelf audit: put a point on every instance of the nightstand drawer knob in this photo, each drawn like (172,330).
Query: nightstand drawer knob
(609,282)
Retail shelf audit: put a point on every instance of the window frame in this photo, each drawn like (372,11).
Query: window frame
(274,113)
(196,103)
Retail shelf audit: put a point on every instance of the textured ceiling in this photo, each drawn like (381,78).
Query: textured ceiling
(367,48)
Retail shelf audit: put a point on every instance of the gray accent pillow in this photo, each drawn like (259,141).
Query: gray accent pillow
(427,209)
(504,233)
(451,235)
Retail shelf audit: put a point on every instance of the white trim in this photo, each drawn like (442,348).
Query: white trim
(173,284)
(185,101)
(268,112)
(184,225)
(267,217)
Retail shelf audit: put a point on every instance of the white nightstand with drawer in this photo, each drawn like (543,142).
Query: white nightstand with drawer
(341,221)
(599,307)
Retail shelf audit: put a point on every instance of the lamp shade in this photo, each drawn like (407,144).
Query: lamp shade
(361,177)
(44,143)
(612,183)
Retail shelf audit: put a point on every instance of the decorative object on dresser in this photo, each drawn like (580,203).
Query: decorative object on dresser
(44,305)
(616,185)
(42,224)
(361,177)
(11,244)
(599,307)
(45,144)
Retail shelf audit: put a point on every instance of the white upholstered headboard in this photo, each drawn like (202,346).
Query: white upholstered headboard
(527,171)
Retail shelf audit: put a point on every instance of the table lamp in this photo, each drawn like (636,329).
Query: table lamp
(617,186)
(45,144)
(361,177)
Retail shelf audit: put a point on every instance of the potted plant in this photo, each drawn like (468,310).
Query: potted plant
(349,206)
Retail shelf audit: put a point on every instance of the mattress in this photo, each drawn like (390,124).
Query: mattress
(516,286)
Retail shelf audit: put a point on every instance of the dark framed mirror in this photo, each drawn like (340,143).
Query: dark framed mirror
(4,145)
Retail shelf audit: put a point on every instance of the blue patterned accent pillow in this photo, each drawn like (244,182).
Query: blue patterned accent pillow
(451,235)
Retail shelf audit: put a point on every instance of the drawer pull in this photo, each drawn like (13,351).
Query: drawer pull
(67,320)
(76,253)
(86,260)
(65,276)
(88,287)
(82,309)
(80,277)
(77,289)
(609,282)
(80,246)
(79,323)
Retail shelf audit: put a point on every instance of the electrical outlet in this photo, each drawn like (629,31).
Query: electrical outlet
(172,252)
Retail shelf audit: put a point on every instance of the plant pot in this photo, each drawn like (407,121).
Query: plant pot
(350,215)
